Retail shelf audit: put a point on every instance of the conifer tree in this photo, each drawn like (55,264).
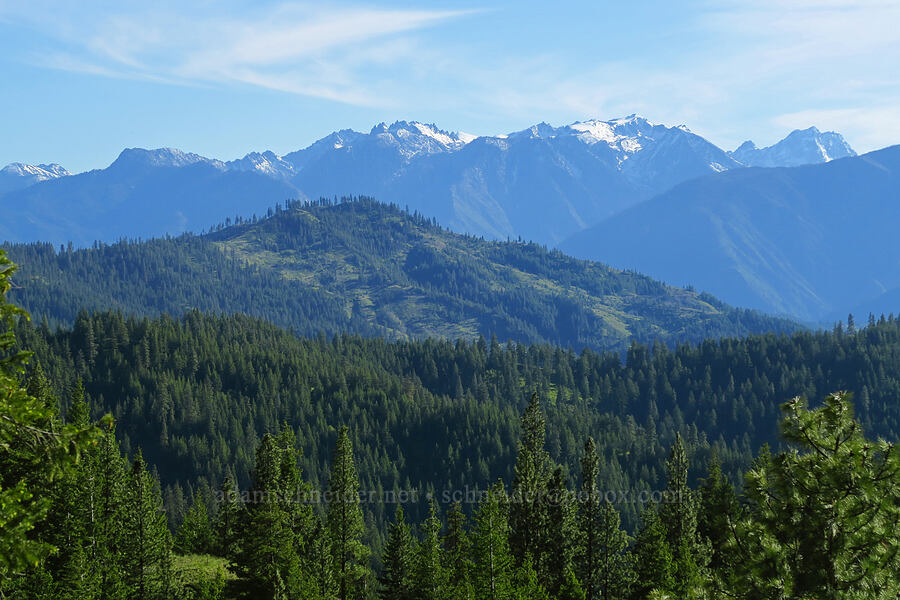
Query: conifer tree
(571,588)
(457,553)
(493,561)
(32,448)
(824,517)
(614,573)
(719,513)
(398,577)
(587,557)
(320,561)
(345,522)
(678,514)
(194,535)
(528,518)
(561,536)
(269,555)
(146,545)
(526,584)
(654,568)
(229,516)
(431,580)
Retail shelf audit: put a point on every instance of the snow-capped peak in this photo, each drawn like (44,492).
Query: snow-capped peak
(412,138)
(626,135)
(37,172)
(800,147)
(267,163)
(16,176)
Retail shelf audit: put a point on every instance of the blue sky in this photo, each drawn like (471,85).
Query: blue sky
(82,80)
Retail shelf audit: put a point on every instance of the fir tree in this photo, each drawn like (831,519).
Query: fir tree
(229,516)
(431,580)
(194,535)
(654,567)
(146,546)
(345,521)
(678,514)
(528,519)
(493,561)
(457,552)
(398,577)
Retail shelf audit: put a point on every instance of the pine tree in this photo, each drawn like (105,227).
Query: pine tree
(398,577)
(824,517)
(494,565)
(345,521)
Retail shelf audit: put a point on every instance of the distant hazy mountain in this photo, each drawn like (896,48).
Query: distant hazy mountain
(543,183)
(16,176)
(811,241)
(800,147)
(142,194)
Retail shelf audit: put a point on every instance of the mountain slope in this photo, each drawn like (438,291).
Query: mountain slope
(808,241)
(370,268)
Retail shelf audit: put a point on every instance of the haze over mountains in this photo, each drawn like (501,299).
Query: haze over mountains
(543,184)
(814,241)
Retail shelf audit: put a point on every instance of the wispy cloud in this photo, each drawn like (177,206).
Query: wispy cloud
(729,68)
(305,49)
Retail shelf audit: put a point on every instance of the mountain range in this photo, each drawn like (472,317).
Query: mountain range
(542,184)
(813,241)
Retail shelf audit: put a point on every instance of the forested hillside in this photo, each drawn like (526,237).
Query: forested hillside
(431,424)
(368,268)
(197,394)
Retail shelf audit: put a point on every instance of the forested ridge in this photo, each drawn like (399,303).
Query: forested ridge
(359,266)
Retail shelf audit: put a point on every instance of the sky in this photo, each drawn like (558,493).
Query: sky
(80,81)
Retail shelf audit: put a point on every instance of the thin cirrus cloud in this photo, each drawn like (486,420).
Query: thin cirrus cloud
(728,68)
(296,48)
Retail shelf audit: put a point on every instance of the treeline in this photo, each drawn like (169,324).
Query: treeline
(372,269)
